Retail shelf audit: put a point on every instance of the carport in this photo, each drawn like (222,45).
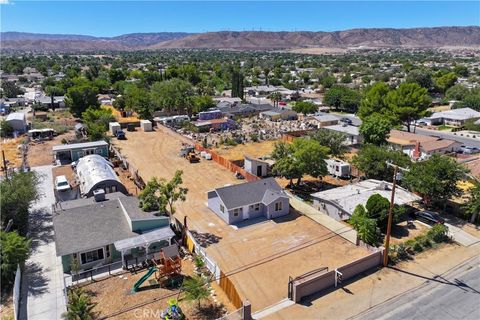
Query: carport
(143,241)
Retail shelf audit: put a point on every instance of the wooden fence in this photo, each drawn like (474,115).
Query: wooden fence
(229,289)
(228,164)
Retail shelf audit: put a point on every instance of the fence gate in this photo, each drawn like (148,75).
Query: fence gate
(290,288)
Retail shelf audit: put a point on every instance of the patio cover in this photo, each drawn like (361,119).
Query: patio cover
(144,240)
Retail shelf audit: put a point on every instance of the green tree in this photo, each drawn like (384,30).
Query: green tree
(80,306)
(444,82)
(461,71)
(195,289)
(14,251)
(97,122)
(328,81)
(408,102)
(310,157)
(373,100)
(457,92)
(10,89)
(421,77)
(472,207)
(237,84)
(333,140)
(305,107)
(366,227)
(137,99)
(435,179)
(342,98)
(6,129)
(275,97)
(202,103)
(160,194)
(173,95)
(303,156)
(81,97)
(53,91)
(18,192)
(372,161)
(375,129)
(472,100)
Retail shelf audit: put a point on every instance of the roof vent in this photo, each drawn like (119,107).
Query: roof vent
(99,195)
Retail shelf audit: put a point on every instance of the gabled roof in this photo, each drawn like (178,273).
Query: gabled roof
(16,116)
(408,138)
(262,191)
(437,145)
(457,114)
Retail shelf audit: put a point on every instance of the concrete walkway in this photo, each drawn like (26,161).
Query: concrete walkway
(460,236)
(344,231)
(42,286)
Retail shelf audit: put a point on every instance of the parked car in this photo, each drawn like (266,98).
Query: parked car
(346,121)
(429,217)
(120,134)
(469,150)
(61,183)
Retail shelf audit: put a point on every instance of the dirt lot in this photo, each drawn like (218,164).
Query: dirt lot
(114,294)
(40,152)
(11,148)
(288,246)
(253,149)
(118,115)
(400,232)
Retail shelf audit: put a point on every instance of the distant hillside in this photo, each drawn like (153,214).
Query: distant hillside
(419,37)
(249,40)
(21,41)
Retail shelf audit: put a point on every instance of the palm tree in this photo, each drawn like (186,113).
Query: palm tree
(195,289)
(80,307)
(275,97)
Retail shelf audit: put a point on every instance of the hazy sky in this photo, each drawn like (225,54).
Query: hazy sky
(110,18)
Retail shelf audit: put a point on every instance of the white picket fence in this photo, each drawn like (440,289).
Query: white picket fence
(209,262)
(16,292)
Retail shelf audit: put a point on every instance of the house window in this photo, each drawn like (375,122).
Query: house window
(278,206)
(222,208)
(107,251)
(98,151)
(89,151)
(237,211)
(91,256)
(114,188)
(257,207)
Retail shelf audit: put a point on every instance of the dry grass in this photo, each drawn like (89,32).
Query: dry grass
(400,232)
(40,152)
(254,149)
(12,151)
(118,115)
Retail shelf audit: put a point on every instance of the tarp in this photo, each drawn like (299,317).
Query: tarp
(145,239)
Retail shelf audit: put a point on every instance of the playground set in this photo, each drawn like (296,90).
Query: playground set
(167,267)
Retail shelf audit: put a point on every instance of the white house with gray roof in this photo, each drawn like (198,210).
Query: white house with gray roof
(240,202)
(454,117)
(339,203)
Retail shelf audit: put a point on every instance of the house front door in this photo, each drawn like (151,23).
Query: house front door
(245,214)
(259,171)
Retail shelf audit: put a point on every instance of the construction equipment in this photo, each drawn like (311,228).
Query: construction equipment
(192,157)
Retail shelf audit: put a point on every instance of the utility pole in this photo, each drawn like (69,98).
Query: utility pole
(4,164)
(390,211)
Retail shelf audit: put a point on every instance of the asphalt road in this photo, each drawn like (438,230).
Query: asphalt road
(455,295)
(448,135)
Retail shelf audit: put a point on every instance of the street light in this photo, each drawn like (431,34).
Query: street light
(396,176)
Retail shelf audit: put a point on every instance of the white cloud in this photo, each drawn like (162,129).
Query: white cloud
(5,2)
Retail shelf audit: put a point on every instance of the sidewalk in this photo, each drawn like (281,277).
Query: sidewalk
(376,288)
(42,286)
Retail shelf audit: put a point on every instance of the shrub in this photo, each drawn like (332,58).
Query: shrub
(417,247)
(438,233)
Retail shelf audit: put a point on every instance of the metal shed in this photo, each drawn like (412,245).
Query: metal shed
(18,121)
(95,172)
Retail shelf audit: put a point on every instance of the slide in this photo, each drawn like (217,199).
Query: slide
(143,279)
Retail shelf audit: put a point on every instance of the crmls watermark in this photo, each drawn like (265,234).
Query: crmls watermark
(147,313)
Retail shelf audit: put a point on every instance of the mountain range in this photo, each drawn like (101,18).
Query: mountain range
(245,40)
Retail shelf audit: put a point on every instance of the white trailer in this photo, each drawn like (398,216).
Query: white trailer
(114,127)
(338,168)
(146,125)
